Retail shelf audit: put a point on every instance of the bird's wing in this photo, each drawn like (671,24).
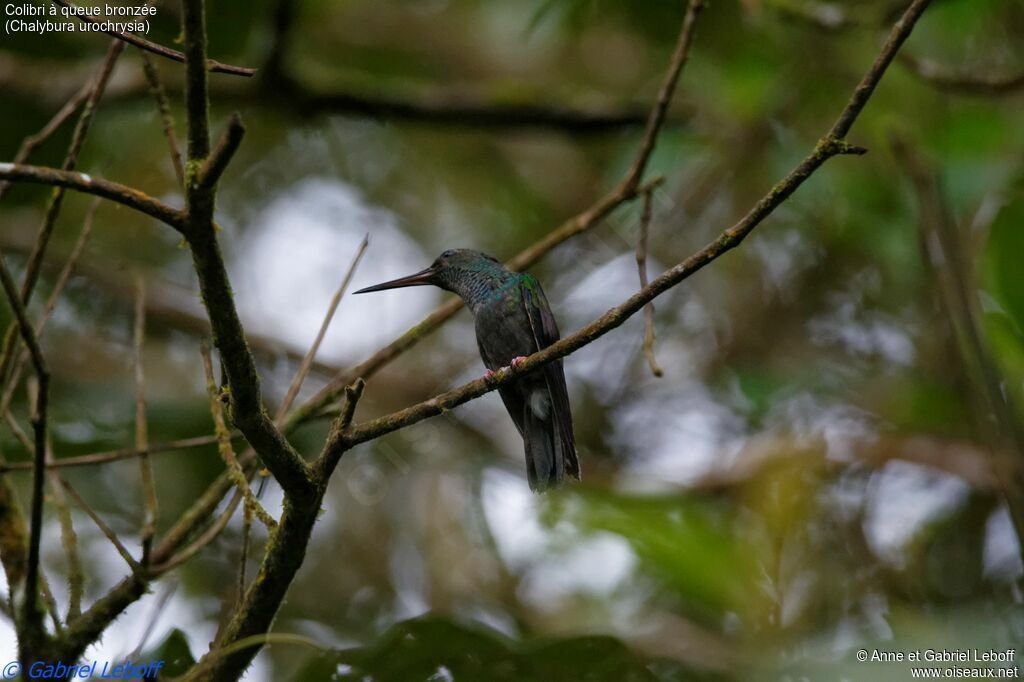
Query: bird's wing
(545,333)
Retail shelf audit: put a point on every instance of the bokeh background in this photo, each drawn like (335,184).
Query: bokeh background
(813,474)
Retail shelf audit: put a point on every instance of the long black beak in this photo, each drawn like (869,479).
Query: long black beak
(418,279)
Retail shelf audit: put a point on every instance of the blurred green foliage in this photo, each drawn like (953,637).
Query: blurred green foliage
(809,477)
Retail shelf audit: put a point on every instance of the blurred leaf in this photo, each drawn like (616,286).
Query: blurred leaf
(1003,251)
(686,543)
(571,13)
(174,652)
(435,649)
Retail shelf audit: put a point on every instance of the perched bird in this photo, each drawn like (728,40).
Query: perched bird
(513,320)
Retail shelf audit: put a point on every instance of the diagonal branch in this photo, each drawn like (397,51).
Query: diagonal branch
(80,182)
(118,455)
(156,88)
(831,145)
(143,44)
(248,411)
(28,335)
(641,266)
(656,118)
(227,453)
(107,531)
(32,142)
(307,362)
(141,424)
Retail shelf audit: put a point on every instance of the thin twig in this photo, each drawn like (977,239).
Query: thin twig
(104,528)
(165,304)
(39,427)
(243,554)
(143,44)
(657,116)
(248,411)
(156,88)
(20,435)
(831,145)
(455,109)
(51,604)
(51,302)
(69,266)
(32,142)
(53,208)
(141,428)
(307,362)
(641,266)
(82,128)
(224,444)
(337,440)
(80,182)
(203,540)
(222,153)
(69,539)
(158,610)
(197,106)
(957,281)
(108,456)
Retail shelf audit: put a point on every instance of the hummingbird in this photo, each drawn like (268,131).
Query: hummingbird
(513,320)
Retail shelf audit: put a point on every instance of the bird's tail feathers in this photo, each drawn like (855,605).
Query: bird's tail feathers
(550,448)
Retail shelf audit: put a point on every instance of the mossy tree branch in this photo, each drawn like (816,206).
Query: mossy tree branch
(202,171)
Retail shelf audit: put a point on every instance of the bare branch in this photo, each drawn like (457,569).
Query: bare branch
(460,109)
(166,304)
(307,362)
(227,453)
(248,411)
(51,604)
(116,192)
(69,539)
(35,260)
(203,540)
(197,104)
(337,441)
(156,88)
(99,86)
(20,435)
(32,142)
(143,44)
(28,335)
(641,265)
(243,554)
(141,427)
(986,383)
(657,116)
(118,455)
(104,528)
(221,156)
(51,302)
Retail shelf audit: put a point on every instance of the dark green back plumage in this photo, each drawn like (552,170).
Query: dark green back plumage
(513,319)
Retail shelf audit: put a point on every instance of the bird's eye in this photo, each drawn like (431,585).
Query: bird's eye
(448,254)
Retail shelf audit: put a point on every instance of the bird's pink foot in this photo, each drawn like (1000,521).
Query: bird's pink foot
(518,360)
(489,374)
